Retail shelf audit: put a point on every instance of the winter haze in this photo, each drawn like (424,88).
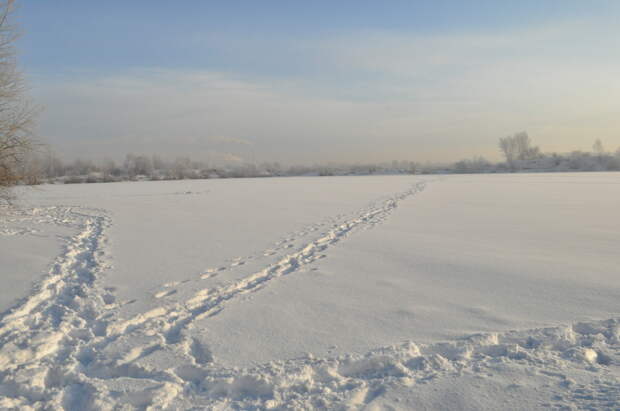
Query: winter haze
(285,205)
(320,82)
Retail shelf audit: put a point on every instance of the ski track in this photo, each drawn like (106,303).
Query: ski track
(63,346)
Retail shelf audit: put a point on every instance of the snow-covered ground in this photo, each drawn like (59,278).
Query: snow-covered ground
(392,292)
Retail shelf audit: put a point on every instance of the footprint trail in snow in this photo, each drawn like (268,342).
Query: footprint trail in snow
(65,347)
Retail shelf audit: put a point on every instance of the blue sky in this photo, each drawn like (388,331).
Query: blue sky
(320,81)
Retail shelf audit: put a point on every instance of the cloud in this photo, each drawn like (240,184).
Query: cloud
(377,96)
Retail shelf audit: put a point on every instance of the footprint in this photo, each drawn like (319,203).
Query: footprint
(109,299)
(165,293)
(208,275)
(237,263)
(214,270)
(200,353)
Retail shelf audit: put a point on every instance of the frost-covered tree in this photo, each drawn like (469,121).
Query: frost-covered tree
(598,148)
(508,147)
(518,147)
(16,112)
(138,165)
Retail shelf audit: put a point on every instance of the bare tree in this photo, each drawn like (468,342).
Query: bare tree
(598,147)
(518,147)
(508,147)
(16,111)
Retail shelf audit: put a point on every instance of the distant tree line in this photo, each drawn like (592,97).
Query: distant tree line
(519,153)
(521,156)
(49,168)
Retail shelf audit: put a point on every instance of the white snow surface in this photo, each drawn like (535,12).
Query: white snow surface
(385,292)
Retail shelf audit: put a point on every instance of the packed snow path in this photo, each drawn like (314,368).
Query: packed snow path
(64,313)
(66,347)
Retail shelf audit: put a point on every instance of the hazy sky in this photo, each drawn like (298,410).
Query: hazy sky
(321,81)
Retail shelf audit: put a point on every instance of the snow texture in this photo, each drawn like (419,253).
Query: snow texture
(352,308)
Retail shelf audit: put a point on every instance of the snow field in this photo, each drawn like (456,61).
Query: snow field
(84,338)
